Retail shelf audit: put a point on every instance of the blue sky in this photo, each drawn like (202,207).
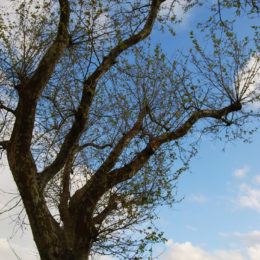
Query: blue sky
(221,205)
(218,219)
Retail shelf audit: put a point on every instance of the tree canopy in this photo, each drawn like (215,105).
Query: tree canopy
(94,112)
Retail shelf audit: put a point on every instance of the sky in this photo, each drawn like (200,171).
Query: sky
(219,215)
(217,218)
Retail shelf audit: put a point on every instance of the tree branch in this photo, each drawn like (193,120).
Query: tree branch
(101,183)
(4,144)
(37,82)
(2,106)
(156,122)
(30,91)
(65,193)
(112,205)
(181,131)
(81,116)
(93,145)
(122,143)
(21,161)
(112,158)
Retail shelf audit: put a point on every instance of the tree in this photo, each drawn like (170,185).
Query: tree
(93,114)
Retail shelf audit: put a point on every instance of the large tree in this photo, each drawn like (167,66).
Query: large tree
(94,113)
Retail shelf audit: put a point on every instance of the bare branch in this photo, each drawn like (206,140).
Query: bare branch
(13,251)
(112,205)
(46,66)
(80,148)
(123,142)
(4,144)
(102,181)
(29,93)
(2,106)
(7,208)
(156,122)
(181,131)
(128,171)
(88,93)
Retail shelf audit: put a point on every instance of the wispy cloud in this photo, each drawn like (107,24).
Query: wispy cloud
(249,239)
(191,228)
(249,197)
(241,173)
(176,8)
(8,251)
(257,179)
(223,234)
(248,82)
(198,198)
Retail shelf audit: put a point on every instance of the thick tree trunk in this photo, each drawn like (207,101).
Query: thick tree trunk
(50,238)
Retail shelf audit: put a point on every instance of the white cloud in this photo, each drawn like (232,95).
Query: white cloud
(249,197)
(198,198)
(7,251)
(257,179)
(240,173)
(191,228)
(228,255)
(254,252)
(223,234)
(170,7)
(187,251)
(248,82)
(250,239)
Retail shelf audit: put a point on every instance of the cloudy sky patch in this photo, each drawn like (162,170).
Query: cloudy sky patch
(242,172)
